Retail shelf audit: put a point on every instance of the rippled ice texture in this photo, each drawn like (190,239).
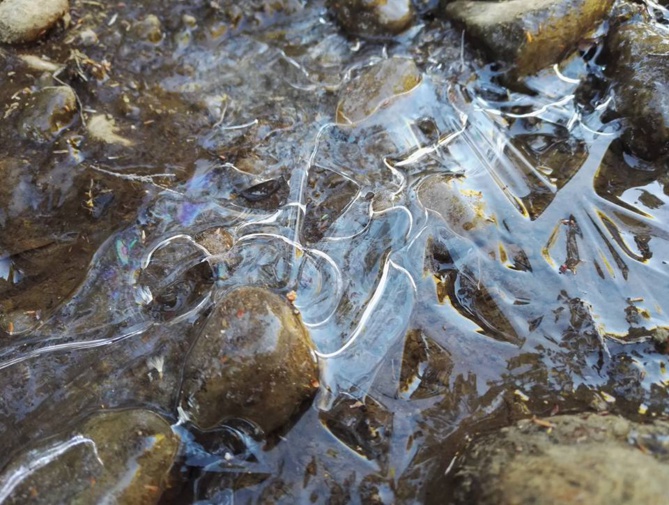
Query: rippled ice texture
(462,210)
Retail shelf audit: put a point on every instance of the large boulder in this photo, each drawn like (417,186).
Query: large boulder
(27,20)
(639,68)
(593,460)
(530,35)
(253,360)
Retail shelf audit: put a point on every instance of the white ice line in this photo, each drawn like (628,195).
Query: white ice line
(565,100)
(339,285)
(563,77)
(162,243)
(91,344)
(49,455)
(371,306)
(424,151)
(239,126)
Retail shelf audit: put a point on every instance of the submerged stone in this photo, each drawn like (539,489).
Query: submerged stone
(639,68)
(530,35)
(463,210)
(253,360)
(215,240)
(566,459)
(27,20)
(365,427)
(114,457)
(426,367)
(373,18)
(375,87)
(47,113)
(149,29)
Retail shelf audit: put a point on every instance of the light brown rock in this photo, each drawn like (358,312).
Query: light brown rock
(580,460)
(27,20)
(531,35)
(375,87)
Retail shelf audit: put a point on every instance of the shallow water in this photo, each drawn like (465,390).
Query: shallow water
(465,255)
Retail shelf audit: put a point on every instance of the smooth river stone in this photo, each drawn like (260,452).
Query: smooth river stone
(377,86)
(253,360)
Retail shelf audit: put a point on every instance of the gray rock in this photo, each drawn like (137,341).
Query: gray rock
(114,457)
(373,18)
(47,113)
(639,68)
(376,86)
(530,35)
(594,460)
(27,20)
(253,360)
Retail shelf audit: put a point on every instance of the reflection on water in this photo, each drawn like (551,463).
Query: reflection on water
(461,243)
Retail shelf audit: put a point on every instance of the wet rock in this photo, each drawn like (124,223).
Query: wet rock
(215,240)
(27,20)
(639,68)
(104,129)
(149,29)
(373,18)
(426,367)
(660,337)
(462,209)
(328,194)
(529,35)
(253,360)
(39,64)
(269,194)
(375,87)
(364,427)
(119,457)
(88,38)
(566,459)
(47,113)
